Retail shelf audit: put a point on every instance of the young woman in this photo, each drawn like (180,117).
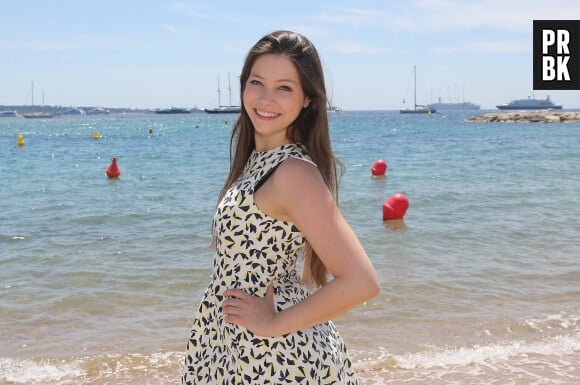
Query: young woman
(258,322)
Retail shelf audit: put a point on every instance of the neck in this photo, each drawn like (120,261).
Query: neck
(263,144)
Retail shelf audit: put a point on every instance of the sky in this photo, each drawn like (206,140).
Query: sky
(158,54)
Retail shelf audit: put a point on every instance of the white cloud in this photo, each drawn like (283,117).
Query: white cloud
(427,16)
(192,9)
(170,28)
(486,47)
(512,15)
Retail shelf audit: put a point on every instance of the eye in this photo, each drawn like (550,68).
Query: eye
(285,88)
(254,82)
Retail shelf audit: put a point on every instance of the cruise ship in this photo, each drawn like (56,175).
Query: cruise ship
(173,110)
(443,106)
(530,104)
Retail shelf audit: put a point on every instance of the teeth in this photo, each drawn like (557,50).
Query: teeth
(266,114)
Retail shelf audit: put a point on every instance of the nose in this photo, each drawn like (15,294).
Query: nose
(266,96)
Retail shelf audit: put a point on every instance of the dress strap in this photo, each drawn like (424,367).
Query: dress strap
(304,158)
(265,177)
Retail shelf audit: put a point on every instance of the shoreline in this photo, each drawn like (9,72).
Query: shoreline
(547,116)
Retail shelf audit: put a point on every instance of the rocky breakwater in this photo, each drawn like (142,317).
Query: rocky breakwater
(528,117)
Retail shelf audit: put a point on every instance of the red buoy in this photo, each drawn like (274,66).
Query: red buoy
(113,171)
(395,207)
(379,168)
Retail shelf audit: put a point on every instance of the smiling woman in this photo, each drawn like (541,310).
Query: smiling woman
(258,322)
(273,99)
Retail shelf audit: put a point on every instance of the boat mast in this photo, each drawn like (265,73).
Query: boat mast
(415,87)
(219,92)
(229,89)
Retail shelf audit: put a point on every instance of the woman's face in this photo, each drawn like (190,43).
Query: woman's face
(273,99)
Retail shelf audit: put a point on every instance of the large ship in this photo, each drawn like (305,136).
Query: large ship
(443,106)
(530,104)
(173,110)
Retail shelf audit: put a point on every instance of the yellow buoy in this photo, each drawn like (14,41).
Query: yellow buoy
(95,135)
(20,140)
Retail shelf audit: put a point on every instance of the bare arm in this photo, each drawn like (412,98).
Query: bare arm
(302,197)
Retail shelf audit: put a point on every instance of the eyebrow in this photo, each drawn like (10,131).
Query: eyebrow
(279,80)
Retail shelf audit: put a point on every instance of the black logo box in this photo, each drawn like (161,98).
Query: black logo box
(573,62)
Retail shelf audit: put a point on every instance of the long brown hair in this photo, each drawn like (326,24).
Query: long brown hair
(310,128)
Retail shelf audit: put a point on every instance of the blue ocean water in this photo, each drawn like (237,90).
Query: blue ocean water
(100,278)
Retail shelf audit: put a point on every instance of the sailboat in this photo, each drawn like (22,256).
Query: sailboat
(224,109)
(36,114)
(417,109)
(331,107)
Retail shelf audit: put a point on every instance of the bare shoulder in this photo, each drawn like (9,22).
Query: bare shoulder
(298,175)
(301,193)
(291,190)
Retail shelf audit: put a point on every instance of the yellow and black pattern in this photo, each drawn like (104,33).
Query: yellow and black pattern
(253,250)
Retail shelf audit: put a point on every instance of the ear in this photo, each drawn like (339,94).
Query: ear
(306,103)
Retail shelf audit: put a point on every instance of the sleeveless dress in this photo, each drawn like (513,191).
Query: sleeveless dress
(252,250)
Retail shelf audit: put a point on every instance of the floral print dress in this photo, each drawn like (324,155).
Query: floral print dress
(253,250)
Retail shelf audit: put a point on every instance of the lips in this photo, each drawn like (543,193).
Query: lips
(266,114)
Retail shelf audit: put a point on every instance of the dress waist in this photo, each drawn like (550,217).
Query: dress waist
(284,283)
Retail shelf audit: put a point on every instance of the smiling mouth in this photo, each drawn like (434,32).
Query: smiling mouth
(265,114)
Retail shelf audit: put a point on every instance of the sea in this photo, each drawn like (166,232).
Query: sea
(480,280)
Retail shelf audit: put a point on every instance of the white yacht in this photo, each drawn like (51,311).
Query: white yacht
(530,103)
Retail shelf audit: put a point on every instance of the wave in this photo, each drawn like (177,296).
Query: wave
(147,369)
(551,360)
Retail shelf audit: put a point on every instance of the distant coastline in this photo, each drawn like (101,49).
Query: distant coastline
(59,110)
